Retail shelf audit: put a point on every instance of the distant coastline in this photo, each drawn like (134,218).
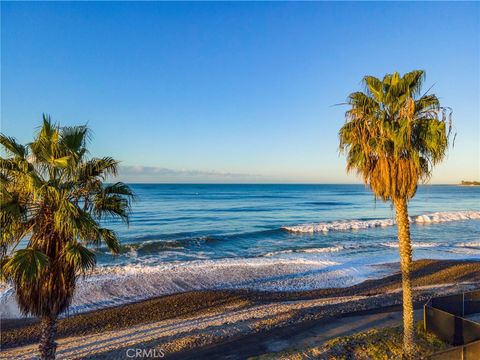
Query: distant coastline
(470,183)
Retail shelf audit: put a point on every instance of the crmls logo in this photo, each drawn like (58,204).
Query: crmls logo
(145,353)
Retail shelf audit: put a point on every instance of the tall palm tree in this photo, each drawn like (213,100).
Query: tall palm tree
(52,200)
(393,137)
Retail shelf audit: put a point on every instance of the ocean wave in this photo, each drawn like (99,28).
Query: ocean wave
(466,248)
(173,237)
(254,209)
(152,245)
(156,245)
(414,244)
(113,285)
(328,203)
(439,217)
(346,225)
(471,244)
(327,249)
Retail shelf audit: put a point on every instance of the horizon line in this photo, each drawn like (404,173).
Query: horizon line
(273,183)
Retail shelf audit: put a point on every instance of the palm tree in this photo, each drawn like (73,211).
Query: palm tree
(52,200)
(393,137)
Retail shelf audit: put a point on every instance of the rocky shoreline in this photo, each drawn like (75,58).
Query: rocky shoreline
(186,322)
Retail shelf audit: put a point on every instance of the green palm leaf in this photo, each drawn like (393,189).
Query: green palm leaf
(12,147)
(78,256)
(25,266)
(53,197)
(392,138)
(110,238)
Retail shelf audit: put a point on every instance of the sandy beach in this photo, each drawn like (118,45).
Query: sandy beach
(219,323)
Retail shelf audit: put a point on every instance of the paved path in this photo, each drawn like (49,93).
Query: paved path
(314,335)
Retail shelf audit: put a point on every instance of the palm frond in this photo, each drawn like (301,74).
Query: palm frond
(11,146)
(392,137)
(78,256)
(54,197)
(25,266)
(75,138)
(110,238)
(98,168)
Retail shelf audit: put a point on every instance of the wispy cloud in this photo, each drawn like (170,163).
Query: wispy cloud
(152,174)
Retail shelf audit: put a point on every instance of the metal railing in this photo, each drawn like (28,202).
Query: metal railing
(445,317)
(464,352)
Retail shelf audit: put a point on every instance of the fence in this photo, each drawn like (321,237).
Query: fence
(445,317)
(465,352)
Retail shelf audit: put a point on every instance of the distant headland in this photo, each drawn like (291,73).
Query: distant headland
(470,183)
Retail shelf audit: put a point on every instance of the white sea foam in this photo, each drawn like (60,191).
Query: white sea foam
(471,244)
(114,285)
(414,244)
(346,225)
(467,248)
(328,249)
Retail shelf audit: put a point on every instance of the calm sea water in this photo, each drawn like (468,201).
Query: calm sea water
(268,237)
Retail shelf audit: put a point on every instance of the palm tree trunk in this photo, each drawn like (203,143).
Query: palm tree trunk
(405,246)
(48,346)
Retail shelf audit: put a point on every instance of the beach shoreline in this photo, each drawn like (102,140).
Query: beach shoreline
(211,317)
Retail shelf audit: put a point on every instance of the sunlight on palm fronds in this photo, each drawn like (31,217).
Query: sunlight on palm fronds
(53,197)
(393,135)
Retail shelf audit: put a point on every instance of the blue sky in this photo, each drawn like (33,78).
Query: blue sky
(231,92)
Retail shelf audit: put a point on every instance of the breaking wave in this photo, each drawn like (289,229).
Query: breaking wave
(467,248)
(414,244)
(471,244)
(328,249)
(114,285)
(346,225)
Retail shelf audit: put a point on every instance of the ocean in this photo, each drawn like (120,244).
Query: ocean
(268,237)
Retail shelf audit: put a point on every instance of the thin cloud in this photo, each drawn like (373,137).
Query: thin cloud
(165,175)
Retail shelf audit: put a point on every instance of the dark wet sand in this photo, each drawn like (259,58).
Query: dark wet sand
(425,273)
